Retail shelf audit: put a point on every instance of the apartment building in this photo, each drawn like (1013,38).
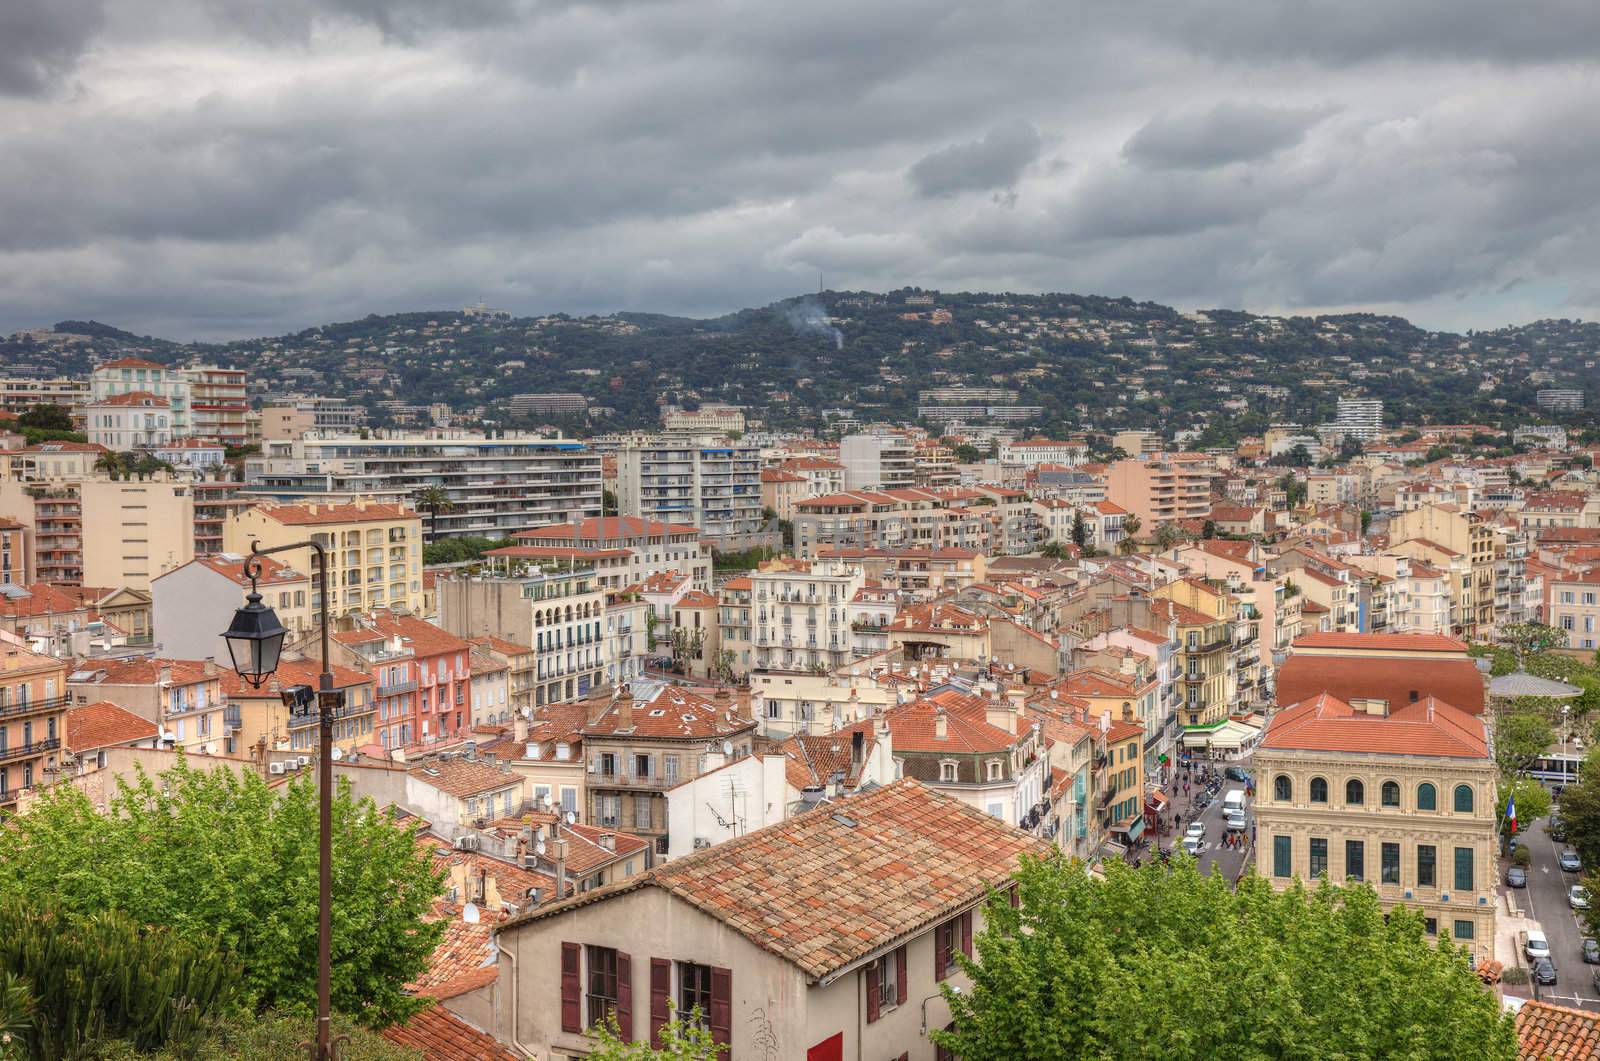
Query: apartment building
(822,476)
(1575,607)
(15,555)
(215,501)
(374,551)
(519,667)
(714,487)
(135,420)
(422,676)
(1359,418)
(898,519)
(33,720)
(219,403)
(708,419)
(283,420)
(496,486)
(1034,451)
(920,573)
(1449,530)
(781,491)
(118,533)
(802,617)
(736,621)
(133,375)
(624,549)
(649,737)
(774,914)
(18,395)
(878,462)
(558,610)
(935,465)
(1164,488)
(979,750)
(182,696)
(260,719)
(1203,674)
(1399,795)
(193,604)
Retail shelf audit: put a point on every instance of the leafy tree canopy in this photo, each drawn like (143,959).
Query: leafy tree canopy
(1170,963)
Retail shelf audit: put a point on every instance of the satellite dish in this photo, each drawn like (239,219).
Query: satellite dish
(571,817)
(1055,694)
(336,754)
(727,747)
(469,914)
(538,848)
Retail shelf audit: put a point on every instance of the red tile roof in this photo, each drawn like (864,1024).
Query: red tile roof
(463,778)
(607,527)
(291,672)
(1556,1033)
(426,639)
(141,399)
(130,362)
(914,726)
(442,1036)
(105,725)
(1382,642)
(830,886)
(304,516)
(148,671)
(674,712)
(1355,676)
(1427,727)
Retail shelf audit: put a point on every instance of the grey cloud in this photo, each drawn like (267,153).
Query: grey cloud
(995,161)
(40,40)
(1228,132)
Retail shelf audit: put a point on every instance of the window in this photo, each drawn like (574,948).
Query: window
(949,939)
(1463,799)
(1319,790)
(1282,788)
(1463,930)
(996,770)
(1390,871)
(947,771)
(694,990)
(1319,858)
(888,983)
(1282,856)
(641,812)
(1390,794)
(602,984)
(1431,924)
(1464,869)
(1355,860)
(1427,857)
(1427,797)
(641,765)
(1355,793)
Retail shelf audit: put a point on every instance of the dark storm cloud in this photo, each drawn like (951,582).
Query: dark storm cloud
(996,161)
(1228,132)
(217,167)
(41,39)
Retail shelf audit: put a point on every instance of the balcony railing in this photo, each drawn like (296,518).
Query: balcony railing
(23,751)
(28,707)
(630,780)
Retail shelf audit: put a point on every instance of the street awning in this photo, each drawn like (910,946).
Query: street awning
(1134,829)
(1230,736)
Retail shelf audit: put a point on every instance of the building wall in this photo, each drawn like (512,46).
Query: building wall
(33,705)
(564,624)
(745,794)
(134,531)
(193,605)
(356,549)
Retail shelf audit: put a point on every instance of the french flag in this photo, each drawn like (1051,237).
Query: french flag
(1511,813)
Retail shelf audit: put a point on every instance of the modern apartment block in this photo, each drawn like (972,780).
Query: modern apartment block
(878,462)
(112,533)
(683,479)
(1560,399)
(17,396)
(330,417)
(133,375)
(497,486)
(1163,489)
(218,402)
(1359,418)
(802,613)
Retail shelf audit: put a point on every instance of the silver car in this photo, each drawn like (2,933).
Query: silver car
(1570,862)
(1578,897)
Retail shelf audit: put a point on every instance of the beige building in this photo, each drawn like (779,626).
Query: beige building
(1402,797)
(802,615)
(182,696)
(764,935)
(193,604)
(1163,489)
(33,719)
(1450,530)
(374,550)
(103,532)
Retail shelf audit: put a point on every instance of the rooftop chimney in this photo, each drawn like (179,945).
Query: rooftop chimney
(858,744)
(625,710)
(561,871)
(941,727)
(211,666)
(598,707)
(164,675)
(519,726)
(608,841)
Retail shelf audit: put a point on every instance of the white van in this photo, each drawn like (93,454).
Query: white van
(1233,802)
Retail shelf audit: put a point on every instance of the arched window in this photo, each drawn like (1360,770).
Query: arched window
(1390,794)
(1463,799)
(1282,788)
(1319,790)
(1355,793)
(1426,797)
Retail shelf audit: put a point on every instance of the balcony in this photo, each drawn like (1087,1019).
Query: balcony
(30,707)
(606,780)
(396,688)
(24,751)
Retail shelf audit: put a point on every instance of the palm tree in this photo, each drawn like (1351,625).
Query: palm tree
(109,462)
(1130,530)
(434,500)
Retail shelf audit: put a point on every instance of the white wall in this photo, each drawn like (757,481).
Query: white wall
(758,799)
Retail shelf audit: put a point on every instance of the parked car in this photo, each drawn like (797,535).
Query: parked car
(1516,877)
(1596,978)
(1192,845)
(1577,897)
(1236,822)
(1557,829)
(1591,951)
(1544,971)
(1570,862)
(1236,773)
(1196,830)
(1537,946)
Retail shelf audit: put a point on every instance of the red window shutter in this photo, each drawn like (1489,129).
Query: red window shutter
(941,951)
(722,1009)
(900,975)
(874,992)
(966,933)
(660,992)
(1016,897)
(571,993)
(625,997)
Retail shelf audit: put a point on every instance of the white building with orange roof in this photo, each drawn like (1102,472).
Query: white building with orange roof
(977,748)
(135,375)
(135,420)
(374,550)
(626,549)
(193,604)
(1068,452)
(182,696)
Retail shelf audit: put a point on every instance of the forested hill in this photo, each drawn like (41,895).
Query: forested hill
(1090,362)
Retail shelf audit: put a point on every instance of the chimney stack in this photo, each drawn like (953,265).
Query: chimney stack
(625,710)
(561,870)
(608,841)
(858,743)
(941,726)
(211,666)
(519,726)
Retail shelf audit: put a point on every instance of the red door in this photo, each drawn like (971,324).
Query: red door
(829,1049)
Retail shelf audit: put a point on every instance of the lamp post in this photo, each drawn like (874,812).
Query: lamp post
(255,643)
(1564,709)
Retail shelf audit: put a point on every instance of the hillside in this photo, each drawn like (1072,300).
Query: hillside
(1090,362)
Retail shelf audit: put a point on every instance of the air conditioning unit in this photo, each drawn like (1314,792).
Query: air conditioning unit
(467,842)
(702,842)
(275,768)
(305,760)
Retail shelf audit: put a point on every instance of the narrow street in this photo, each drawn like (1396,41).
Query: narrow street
(1545,900)
(1215,856)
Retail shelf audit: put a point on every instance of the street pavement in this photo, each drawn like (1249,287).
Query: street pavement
(1214,856)
(1545,900)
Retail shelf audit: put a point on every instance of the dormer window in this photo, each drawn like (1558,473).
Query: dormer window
(947,771)
(563,750)
(996,769)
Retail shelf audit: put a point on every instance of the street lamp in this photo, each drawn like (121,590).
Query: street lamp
(1564,709)
(255,642)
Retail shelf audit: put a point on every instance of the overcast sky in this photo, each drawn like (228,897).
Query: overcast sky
(224,168)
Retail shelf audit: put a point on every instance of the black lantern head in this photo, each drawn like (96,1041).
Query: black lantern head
(255,640)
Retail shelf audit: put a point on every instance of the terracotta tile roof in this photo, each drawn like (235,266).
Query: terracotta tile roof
(1228,549)
(1382,642)
(1182,614)
(147,671)
(272,572)
(501,645)
(937,617)
(813,759)
(742,582)
(291,672)
(773,475)
(483,663)
(558,552)
(674,712)
(105,725)
(140,399)
(914,726)
(1395,678)
(304,516)
(696,599)
(41,598)
(608,527)
(1427,727)
(1556,1033)
(442,1036)
(463,778)
(129,362)
(831,886)
(466,949)
(425,638)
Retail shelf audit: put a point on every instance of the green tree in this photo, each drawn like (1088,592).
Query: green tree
(1167,535)
(47,418)
(1080,529)
(1054,551)
(434,500)
(110,464)
(1152,962)
(681,1040)
(1529,638)
(967,453)
(1533,801)
(1208,530)
(214,855)
(1520,737)
(1366,521)
(1580,810)
(608,503)
(1131,526)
